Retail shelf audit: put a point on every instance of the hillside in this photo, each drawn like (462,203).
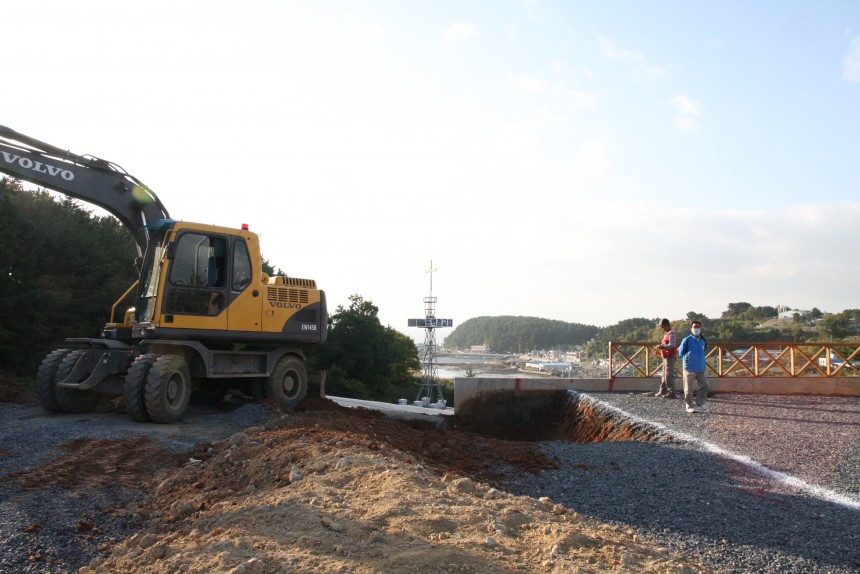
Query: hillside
(519,334)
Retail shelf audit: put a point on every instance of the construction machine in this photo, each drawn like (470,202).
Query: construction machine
(205,319)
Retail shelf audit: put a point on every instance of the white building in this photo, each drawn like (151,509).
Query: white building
(789,315)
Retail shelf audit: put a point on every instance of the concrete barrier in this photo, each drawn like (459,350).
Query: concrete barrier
(467,389)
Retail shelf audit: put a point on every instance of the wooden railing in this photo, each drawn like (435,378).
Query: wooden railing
(723,359)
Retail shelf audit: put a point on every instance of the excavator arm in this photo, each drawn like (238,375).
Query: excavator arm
(87,178)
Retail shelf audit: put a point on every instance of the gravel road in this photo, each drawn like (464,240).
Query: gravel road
(60,529)
(699,491)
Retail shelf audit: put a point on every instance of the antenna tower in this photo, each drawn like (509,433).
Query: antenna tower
(430,391)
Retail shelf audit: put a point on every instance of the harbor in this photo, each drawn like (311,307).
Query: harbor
(452,365)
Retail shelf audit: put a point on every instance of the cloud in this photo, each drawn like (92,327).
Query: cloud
(458,32)
(613,53)
(583,100)
(512,31)
(532,10)
(851,62)
(651,72)
(530,84)
(641,71)
(766,257)
(687,113)
(546,115)
(593,160)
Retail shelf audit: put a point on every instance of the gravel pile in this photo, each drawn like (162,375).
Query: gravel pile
(58,530)
(732,516)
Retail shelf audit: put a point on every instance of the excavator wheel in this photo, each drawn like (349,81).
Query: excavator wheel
(73,400)
(132,388)
(288,383)
(167,389)
(45,379)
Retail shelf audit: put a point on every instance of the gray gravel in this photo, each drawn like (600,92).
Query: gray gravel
(731,516)
(64,540)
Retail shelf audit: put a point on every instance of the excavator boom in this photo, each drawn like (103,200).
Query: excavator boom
(87,178)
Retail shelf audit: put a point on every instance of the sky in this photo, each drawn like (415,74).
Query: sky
(579,161)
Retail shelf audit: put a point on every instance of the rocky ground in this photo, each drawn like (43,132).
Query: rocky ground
(327,489)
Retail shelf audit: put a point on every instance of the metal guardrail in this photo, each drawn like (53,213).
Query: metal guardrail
(740,359)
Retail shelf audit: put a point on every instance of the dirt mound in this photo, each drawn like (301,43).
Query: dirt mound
(331,489)
(343,490)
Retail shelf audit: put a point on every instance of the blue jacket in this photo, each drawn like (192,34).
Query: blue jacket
(692,350)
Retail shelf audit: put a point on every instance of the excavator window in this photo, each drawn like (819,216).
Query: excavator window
(200,261)
(198,274)
(241,265)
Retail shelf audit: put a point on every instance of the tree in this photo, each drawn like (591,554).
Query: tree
(834,325)
(62,270)
(271,270)
(735,310)
(693,316)
(362,358)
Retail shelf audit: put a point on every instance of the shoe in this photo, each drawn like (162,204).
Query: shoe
(692,409)
(670,395)
(658,394)
(703,408)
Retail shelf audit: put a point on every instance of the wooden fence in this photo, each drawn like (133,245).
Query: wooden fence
(723,359)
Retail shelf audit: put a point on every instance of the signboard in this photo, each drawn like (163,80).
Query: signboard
(431,322)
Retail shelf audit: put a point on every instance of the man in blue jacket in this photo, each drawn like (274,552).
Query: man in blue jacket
(692,351)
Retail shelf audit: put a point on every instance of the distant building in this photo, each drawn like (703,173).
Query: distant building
(480,349)
(789,315)
(555,367)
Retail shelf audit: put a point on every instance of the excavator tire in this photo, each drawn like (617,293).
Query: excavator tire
(45,379)
(167,389)
(132,388)
(73,400)
(288,383)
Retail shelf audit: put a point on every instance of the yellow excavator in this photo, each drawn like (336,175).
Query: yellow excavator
(205,316)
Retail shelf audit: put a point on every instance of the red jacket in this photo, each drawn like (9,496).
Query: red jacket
(670,340)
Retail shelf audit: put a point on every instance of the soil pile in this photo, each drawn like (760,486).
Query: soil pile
(343,490)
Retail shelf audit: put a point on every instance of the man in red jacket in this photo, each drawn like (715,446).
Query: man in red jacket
(668,352)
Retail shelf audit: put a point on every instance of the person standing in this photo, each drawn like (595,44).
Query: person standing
(692,351)
(668,352)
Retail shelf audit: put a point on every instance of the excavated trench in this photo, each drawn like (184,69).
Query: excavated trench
(551,415)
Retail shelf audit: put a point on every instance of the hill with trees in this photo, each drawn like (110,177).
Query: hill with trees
(740,321)
(511,334)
